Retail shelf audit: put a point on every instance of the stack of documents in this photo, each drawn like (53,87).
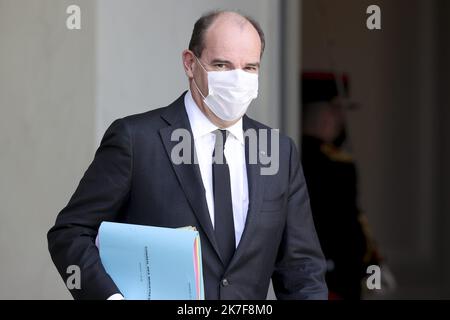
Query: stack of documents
(151,263)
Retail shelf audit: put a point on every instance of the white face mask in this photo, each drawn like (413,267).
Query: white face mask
(230,93)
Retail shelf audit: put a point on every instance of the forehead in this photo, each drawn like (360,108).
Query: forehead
(232,38)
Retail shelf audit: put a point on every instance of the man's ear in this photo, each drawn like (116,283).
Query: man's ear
(188,63)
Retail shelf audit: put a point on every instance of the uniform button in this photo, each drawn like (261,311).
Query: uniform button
(225,283)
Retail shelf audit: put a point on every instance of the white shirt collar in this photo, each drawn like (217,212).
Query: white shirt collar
(201,125)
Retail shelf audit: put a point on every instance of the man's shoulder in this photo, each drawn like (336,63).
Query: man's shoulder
(154,119)
(252,124)
(144,118)
(336,154)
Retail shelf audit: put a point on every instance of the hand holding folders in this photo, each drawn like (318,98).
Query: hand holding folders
(152,263)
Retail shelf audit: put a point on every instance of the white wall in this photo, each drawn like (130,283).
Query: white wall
(46,135)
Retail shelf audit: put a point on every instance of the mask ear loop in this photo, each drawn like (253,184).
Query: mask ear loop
(198,60)
(195,83)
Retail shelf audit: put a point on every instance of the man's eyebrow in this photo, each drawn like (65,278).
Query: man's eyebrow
(254,64)
(221,61)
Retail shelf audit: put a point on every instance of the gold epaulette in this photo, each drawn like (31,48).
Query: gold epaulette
(336,154)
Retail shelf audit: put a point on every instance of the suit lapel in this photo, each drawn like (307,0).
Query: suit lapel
(188,175)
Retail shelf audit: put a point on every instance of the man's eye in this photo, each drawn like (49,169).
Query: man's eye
(251,69)
(220,66)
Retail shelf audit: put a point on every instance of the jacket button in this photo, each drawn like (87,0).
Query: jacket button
(225,283)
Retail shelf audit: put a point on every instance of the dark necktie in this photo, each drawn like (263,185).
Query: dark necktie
(223,207)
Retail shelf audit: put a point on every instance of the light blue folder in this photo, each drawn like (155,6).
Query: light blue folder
(151,263)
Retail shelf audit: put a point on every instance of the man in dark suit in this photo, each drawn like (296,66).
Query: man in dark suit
(253,226)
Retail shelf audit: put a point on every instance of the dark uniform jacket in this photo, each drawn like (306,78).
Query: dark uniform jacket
(331,178)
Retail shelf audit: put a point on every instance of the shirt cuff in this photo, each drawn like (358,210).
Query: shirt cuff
(116,296)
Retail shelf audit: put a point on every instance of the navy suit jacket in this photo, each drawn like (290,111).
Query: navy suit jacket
(133,180)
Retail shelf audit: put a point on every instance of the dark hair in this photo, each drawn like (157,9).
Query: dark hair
(197,43)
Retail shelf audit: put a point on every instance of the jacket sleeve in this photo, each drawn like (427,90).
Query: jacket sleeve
(300,268)
(101,193)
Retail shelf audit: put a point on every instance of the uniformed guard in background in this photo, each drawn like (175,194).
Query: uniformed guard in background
(331,177)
